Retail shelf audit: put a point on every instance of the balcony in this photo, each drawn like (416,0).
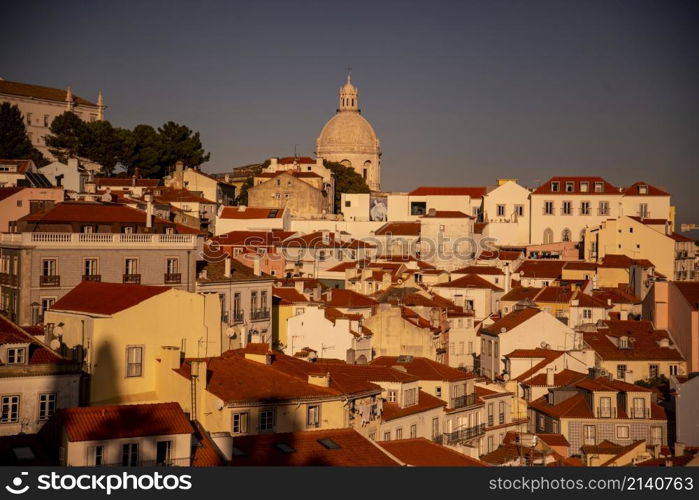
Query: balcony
(134,279)
(50,281)
(260,314)
(173,278)
(101,240)
(92,277)
(463,401)
(8,279)
(606,412)
(460,436)
(639,413)
(238,316)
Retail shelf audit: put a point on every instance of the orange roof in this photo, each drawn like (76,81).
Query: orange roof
(447,214)
(83,211)
(623,261)
(423,368)
(690,292)
(635,190)
(512,320)
(125,182)
(392,411)
(288,295)
(331,447)
(500,254)
(422,452)
(399,229)
(469,281)
(338,297)
(6,192)
(123,421)
(40,92)
(643,342)
(39,354)
(617,296)
(489,270)
(520,293)
(294,159)
(251,213)
(546,188)
(317,240)
(550,269)
(253,238)
(206,454)
(473,192)
(565,377)
(94,297)
(553,439)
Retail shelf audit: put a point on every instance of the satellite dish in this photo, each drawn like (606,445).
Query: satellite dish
(58,331)
(55,344)
(231,332)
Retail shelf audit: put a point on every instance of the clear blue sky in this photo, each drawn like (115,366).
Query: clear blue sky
(460,93)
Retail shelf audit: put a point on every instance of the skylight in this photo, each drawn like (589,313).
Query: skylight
(284,448)
(329,444)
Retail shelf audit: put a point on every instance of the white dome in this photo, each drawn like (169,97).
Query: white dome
(347,131)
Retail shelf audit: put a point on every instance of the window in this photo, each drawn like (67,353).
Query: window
(392,396)
(267,419)
(95,455)
(603,208)
(127,229)
(163,453)
(387,436)
(87,229)
(570,187)
(554,426)
(435,427)
(567,208)
(656,435)
(519,210)
(674,369)
(501,210)
(584,208)
(491,444)
(622,432)
(90,267)
(372,436)
(621,372)
(399,433)
(413,431)
(491,417)
(548,208)
(237,311)
(253,301)
(589,434)
(584,187)
(605,407)
(653,371)
(348,203)
(541,423)
(172,265)
(46,120)
(134,361)
(48,267)
(9,406)
(587,313)
(46,304)
(639,408)
(555,186)
(130,266)
(240,423)
(410,397)
(599,187)
(643,210)
(313,416)
(129,454)
(47,405)
(418,208)
(16,355)
(29,118)
(501,412)
(438,392)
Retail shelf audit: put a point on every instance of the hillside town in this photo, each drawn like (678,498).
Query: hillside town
(264,316)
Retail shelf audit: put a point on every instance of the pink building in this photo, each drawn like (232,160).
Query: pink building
(16,202)
(674,306)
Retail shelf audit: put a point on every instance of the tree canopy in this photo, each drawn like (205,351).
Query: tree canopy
(151,151)
(14,141)
(346,181)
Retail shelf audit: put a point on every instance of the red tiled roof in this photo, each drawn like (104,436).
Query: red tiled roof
(512,320)
(6,192)
(649,222)
(251,213)
(545,188)
(580,266)
(316,240)
(39,354)
(617,296)
(347,299)
(22,165)
(342,266)
(634,190)
(690,292)
(553,439)
(392,411)
(293,173)
(123,421)
(40,92)
(353,450)
(469,281)
(643,342)
(299,159)
(500,254)
(623,261)
(473,192)
(447,214)
(399,229)
(253,238)
(680,237)
(423,368)
(95,297)
(421,452)
(565,377)
(125,182)
(206,454)
(520,293)
(333,315)
(489,270)
(550,269)
(170,195)
(288,295)
(83,211)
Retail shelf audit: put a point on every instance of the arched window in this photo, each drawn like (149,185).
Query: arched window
(346,163)
(548,236)
(565,235)
(352,102)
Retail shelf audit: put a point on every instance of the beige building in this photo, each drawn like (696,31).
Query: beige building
(41,105)
(348,138)
(304,194)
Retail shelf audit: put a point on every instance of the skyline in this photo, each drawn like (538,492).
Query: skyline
(458,94)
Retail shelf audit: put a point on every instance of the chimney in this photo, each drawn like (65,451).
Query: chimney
(149,210)
(549,377)
(326,236)
(329,295)
(432,212)
(256,266)
(273,163)
(227,267)
(319,379)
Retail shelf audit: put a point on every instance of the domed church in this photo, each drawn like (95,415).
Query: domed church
(348,138)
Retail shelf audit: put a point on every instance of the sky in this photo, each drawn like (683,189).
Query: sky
(459,93)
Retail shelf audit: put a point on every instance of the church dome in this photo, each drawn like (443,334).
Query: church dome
(347,131)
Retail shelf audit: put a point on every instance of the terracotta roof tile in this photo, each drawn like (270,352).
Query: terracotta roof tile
(421,452)
(520,293)
(423,368)
(399,229)
(338,297)
(447,214)
(473,192)
(251,213)
(634,190)
(94,297)
(690,292)
(548,269)
(123,421)
(545,188)
(392,411)
(512,320)
(469,281)
(489,270)
(288,295)
(39,354)
(643,342)
(40,92)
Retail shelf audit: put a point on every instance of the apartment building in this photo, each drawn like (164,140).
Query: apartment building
(16,202)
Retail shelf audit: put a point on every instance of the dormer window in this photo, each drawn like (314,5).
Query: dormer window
(16,355)
(570,187)
(599,187)
(623,342)
(584,187)
(555,186)
(643,189)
